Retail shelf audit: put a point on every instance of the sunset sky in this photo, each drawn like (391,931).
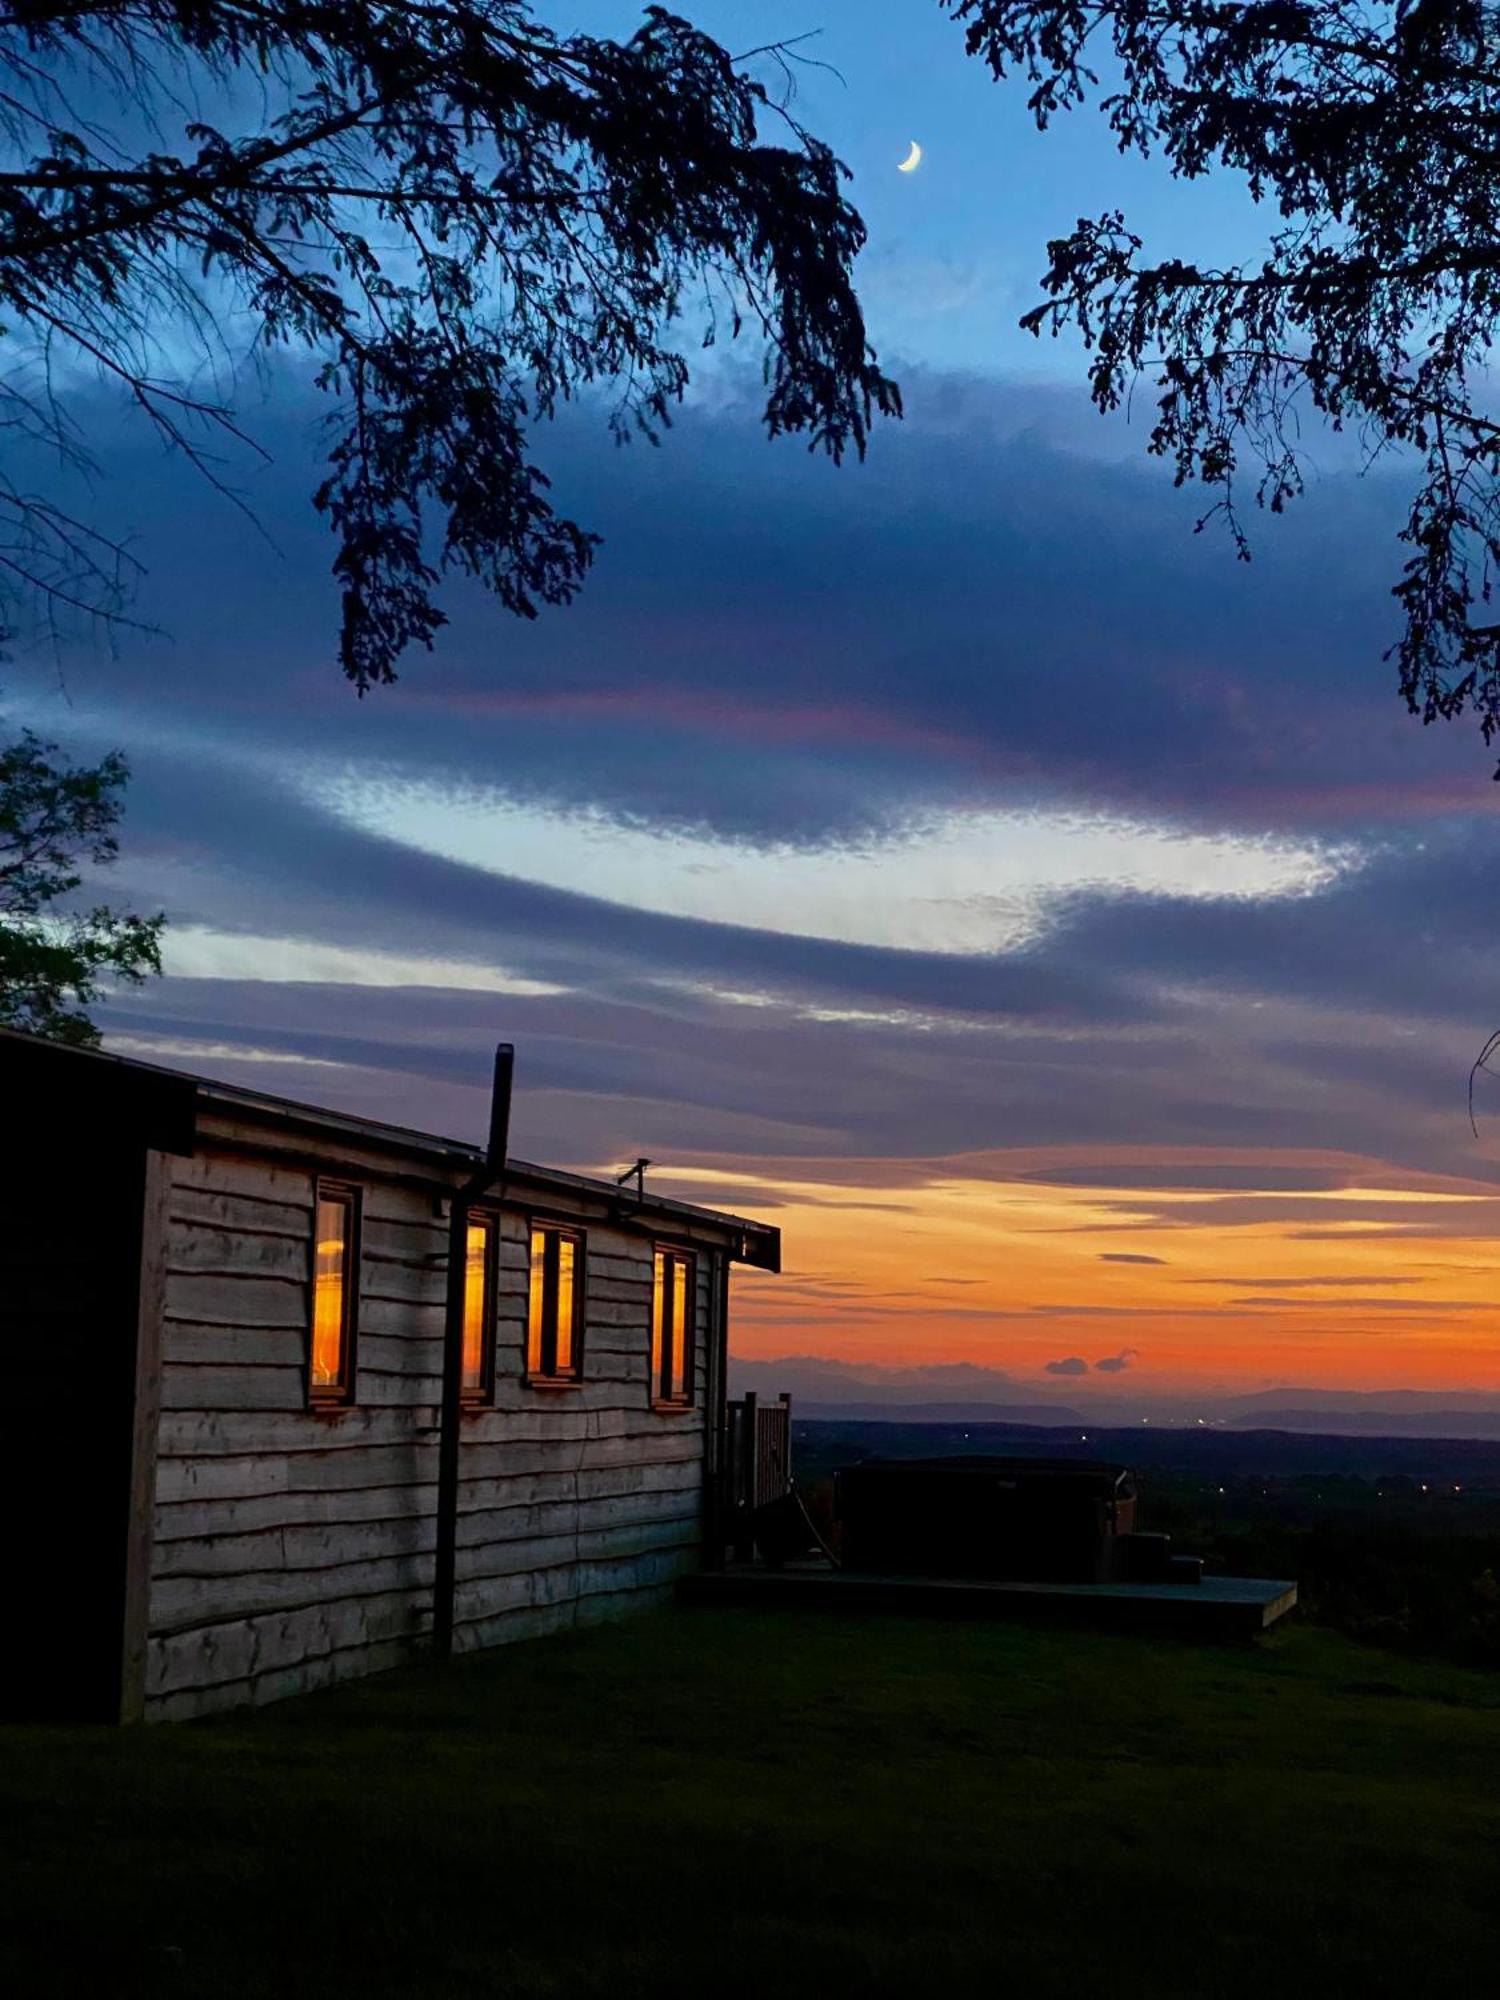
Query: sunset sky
(1055,926)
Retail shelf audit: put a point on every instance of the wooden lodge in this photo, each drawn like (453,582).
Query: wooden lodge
(292,1396)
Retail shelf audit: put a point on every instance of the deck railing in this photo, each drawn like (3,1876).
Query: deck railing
(757,1462)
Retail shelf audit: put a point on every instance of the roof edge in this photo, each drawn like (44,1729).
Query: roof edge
(758,1243)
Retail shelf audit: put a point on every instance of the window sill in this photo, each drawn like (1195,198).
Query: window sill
(673,1408)
(551,1382)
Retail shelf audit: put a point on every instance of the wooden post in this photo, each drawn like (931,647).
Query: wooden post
(745,1495)
(718,1457)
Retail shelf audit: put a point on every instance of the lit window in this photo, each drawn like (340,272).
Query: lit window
(335,1291)
(479,1306)
(554,1326)
(672,1297)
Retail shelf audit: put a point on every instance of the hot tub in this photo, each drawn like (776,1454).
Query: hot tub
(1035,1520)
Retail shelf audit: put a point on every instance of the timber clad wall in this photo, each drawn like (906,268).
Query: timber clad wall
(294,1547)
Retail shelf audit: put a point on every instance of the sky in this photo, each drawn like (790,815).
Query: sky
(1057,927)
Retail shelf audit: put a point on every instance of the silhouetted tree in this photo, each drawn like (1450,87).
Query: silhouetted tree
(464,218)
(53,957)
(1374,130)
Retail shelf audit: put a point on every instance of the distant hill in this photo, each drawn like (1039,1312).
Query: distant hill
(1434,1423)
(961,1393)
(1209,1451)
(847,1410)
(1371,1413)
(1410,1402)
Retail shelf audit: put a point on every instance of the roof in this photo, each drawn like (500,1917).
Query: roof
(156,1102)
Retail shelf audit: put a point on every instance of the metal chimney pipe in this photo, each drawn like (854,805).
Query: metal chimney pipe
(505,1070)
(450,1414)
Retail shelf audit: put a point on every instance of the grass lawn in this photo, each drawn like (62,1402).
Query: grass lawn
(730,1803)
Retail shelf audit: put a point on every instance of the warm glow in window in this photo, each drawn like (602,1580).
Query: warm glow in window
(672,1295)
(554,1309)
(565,1266)
(658,1321)
(678,1369)
(478,1297)
(333,1289)
(536,1320)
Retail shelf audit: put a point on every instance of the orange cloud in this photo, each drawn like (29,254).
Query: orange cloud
(1374,1280)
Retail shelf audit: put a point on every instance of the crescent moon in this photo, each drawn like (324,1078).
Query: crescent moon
(912,161)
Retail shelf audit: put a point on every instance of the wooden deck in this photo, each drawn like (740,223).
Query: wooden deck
(1219,1607)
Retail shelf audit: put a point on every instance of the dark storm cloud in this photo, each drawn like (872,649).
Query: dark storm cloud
(977,617)
(1116,1364)
(1404,931)
(1072,1364)
(975,612)
(775,647)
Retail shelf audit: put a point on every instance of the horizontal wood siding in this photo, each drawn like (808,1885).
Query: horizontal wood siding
(292,1547)
(605,1503)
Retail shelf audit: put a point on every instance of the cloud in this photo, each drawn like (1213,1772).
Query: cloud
(196,951)
(1072,1364)
(1412,1308)
(819,1379)
(1354,1281)
(965,883)
(1116,1364)
(776,649)
(784,685)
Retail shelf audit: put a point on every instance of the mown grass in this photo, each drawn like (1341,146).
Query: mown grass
(722,1803)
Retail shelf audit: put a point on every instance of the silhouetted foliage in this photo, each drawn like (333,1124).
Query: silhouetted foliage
(1374,130)
(462,216)
(53,957)
(1381,1559)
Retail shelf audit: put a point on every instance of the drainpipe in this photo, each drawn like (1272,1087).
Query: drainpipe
(450,1415)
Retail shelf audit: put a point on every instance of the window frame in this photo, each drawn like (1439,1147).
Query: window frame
(660,1359)
(339,1395)
(482,1395)
(574,1232)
